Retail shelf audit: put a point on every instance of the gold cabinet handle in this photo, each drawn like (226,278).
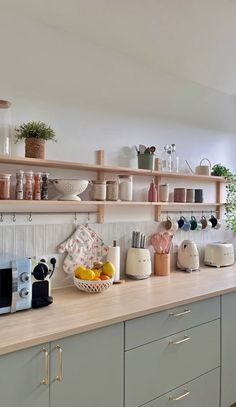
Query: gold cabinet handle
(46,367)
(185,339)
(180,314)
(185,394)
(59,377)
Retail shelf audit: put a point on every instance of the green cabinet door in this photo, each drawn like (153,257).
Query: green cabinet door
(87,369)
(228,350)
(21,374)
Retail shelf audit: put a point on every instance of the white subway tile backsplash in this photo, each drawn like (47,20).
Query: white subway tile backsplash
(42,239)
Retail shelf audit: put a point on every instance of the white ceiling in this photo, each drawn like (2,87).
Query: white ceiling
(191,39)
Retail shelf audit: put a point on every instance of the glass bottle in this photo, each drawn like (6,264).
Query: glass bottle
(44,191)
(152,192)
(98,190)
(37,186)
(175,159)
(5,127)
(19,184)
(112,191)
(166,158)
(29,185)
(5,186)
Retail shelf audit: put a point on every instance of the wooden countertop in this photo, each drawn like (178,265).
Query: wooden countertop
(74,312)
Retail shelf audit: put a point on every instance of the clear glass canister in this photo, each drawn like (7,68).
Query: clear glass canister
(112,191)
(125,187)
(5,186)
(5,127)
(98,190)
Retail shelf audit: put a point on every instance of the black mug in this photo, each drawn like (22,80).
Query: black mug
(213,221)
(199,195)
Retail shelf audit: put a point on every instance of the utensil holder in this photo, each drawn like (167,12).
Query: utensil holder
(146,161)
(161,264)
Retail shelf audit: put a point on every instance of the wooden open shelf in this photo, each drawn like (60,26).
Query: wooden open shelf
(101,168)
(14,206)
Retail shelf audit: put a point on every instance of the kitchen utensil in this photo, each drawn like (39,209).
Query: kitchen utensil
(188,256)
(69,188)
(142,148)
(138,263)
(203,169)
(219,254)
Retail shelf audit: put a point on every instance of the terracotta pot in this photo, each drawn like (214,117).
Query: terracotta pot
(35,148)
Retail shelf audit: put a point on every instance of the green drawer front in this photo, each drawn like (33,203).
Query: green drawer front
(154,369)
(201,392)
(146,329)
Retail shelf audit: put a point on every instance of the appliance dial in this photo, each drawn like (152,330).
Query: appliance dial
(24,277)
(24,292)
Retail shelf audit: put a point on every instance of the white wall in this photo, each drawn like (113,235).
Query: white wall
(95,98)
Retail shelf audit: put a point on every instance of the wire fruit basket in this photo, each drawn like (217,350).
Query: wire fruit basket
(90,286)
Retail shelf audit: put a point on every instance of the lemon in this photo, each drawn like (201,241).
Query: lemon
(108,269)
(97,272)
(78,270)
(87,274)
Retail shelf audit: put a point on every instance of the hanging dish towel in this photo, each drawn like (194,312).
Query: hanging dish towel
(84,246)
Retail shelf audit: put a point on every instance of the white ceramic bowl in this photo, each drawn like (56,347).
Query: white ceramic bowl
(70,188)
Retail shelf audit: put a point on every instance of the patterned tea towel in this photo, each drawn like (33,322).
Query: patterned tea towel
(84,246)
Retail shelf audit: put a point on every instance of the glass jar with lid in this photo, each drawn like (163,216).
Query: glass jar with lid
(5,186)
(5,127)
(125,187)
(112,190)
(98,190)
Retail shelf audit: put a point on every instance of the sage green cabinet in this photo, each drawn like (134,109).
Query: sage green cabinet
(82,370)
(87,369)
(228,349)
(21,374)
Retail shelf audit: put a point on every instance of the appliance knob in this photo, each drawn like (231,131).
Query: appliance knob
(24,292)
(24,277)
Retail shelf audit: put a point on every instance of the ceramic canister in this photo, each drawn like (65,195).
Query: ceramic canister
(179,195)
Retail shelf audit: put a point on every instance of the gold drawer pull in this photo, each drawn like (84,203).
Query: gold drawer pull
(185,394)
(180,314)
(46,367)
(185,339)
(59,377)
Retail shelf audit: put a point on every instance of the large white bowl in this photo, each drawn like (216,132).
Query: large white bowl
(70,188)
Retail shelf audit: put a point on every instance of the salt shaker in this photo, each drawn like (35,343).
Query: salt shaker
(44,191)
(37,186)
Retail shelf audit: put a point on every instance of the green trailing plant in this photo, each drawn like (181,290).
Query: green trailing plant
(230,204)
(37,130)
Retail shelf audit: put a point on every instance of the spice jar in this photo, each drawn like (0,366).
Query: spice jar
(37,186)
(5,186)
(125,187)
(112,191)
(98,190)
(44,192)
(19,184)
(29,185)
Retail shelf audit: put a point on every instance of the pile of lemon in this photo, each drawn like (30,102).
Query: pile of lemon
(99,271)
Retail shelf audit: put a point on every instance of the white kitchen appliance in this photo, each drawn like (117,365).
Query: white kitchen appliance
(219,254)
(188,256)
(138,263)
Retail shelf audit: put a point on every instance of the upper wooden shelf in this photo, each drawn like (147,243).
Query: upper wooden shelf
(101,168)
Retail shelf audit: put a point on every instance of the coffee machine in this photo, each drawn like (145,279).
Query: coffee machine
(41,285)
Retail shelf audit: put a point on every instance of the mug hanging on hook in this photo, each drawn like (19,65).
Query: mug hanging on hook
(30,217)
(13,217)
(1,217)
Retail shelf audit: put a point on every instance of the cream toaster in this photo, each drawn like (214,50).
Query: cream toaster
(219,254)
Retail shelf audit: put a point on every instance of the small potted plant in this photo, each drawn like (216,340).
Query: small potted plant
(34,134)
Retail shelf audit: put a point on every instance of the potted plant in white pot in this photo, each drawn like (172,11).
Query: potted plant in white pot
(35,134)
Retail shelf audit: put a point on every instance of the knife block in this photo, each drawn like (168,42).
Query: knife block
(138,264)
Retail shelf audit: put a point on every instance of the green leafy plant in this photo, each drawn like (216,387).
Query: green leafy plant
(230,205)
(38,130)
